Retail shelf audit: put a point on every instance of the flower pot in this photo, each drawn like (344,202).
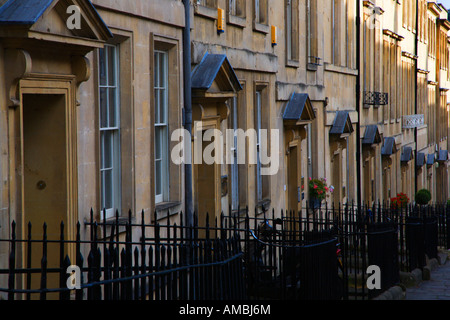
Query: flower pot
(315,203)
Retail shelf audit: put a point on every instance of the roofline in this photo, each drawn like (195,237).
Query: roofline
(434,7)
(224,59)
(87,5)
(442,5)
(444,23)
(25,23)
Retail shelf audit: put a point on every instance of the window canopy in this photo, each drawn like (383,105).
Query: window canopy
(420,160)
(443,156)
(431,158)
(389,147)
(371,135)
(407,155)
(342,125)
(214,77)
(298,110)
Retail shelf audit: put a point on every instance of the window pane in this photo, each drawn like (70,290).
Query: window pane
(107,149)
(112,108)
(162,70)
(157,106)
(102,150)
(102,64)
(158,177)
(111,65)
(156,69)
(102,190)
(232,4)
(158,144)
(103,108)
(163,106)
(107,189)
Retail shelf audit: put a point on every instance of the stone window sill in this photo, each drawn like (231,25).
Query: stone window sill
(237,21)
(206,12)
(292,63)
(261,28)
(163,209)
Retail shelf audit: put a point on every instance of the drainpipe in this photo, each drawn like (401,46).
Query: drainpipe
(358,101)
(187,112)
(310,173)
(416,53)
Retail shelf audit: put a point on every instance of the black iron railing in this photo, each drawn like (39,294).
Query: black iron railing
(320,254)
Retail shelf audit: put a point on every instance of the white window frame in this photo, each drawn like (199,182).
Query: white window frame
(111,132)
(162,126)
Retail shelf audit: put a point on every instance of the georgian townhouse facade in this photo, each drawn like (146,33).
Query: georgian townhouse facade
(354,92)
(405,62)
(43,127)
(86,115)
(303,86)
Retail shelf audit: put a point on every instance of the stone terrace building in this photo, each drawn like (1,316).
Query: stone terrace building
(77,119)
(310,72)
(405,56)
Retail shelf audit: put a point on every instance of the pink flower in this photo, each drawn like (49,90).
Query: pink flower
(315,187)
(310,178)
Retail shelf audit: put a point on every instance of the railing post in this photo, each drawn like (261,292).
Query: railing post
(136,273)
(65,295)
(90,295)
(123,274)
(12,263)
(107,287)
(113,269)
(29,247)
(175,276)
(157,262)
(106,261)
(129,256)
(79,261)
(151,288)
(43,294)
(63,269)
(143,257)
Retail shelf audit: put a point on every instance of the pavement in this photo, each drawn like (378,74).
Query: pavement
(437,288)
